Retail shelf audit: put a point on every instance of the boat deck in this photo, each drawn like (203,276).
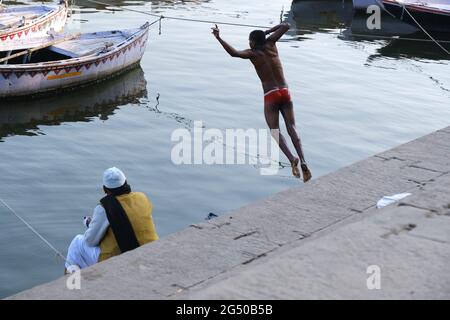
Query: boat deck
(92,43)
(12,17)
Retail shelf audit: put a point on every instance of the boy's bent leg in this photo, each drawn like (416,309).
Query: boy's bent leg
(272,118)
(287,110)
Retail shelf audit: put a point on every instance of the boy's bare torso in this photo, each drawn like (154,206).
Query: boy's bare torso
(268,67)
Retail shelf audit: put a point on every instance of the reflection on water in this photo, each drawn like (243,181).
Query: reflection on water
(178,118)
(312,16)
(150,5)
(22,117)
(321,15)
(400,39)
(394,40)
(412,50)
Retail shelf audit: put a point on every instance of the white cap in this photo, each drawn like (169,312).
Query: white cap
(113,178)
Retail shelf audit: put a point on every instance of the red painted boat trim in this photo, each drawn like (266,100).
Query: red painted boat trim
(427,9)
(421,8)
(70,64)
(9,35)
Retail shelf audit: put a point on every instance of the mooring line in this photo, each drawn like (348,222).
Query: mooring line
(161,16)
(416,22)
(281,164)
(425,31)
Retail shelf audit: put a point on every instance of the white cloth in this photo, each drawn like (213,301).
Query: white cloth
(387,200)
(81,254)
(113,178)
(84,249)
(97,227)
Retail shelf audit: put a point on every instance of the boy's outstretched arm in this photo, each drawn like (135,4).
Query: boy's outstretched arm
(245,54)
(277,32)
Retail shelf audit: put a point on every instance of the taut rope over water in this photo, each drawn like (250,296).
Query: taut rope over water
(425,31)
(417,23)
(180,19)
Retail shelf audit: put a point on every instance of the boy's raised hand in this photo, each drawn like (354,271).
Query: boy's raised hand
(216,31)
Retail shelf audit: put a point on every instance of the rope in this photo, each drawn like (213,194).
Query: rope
(183,19)
(425,31)
(380,4)
(418,24)
(156,21)
(282,14)
(35,232)
(281,164)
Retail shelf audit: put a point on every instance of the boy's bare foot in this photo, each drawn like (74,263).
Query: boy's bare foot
(295,170)
(306,173)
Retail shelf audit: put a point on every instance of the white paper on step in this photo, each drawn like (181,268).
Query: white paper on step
(387,200)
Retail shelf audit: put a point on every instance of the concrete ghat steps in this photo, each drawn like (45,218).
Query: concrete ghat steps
(314,241)
(408,242)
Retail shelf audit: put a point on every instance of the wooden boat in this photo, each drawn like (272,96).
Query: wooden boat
(18,24)
(71,61)
(432,16)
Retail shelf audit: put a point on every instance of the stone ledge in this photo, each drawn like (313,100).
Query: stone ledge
(247,240)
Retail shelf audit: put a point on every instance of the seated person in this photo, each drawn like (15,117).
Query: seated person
(121,222)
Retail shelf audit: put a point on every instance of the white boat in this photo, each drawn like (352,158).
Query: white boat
(79,61)
(19,24)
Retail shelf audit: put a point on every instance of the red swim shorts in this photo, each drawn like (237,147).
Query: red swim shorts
(277,97)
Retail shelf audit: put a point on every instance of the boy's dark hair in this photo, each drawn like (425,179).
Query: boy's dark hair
(259,37)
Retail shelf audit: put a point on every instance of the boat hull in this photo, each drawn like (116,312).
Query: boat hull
(16,38)
(432,20)
(41,78)
(389,27)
